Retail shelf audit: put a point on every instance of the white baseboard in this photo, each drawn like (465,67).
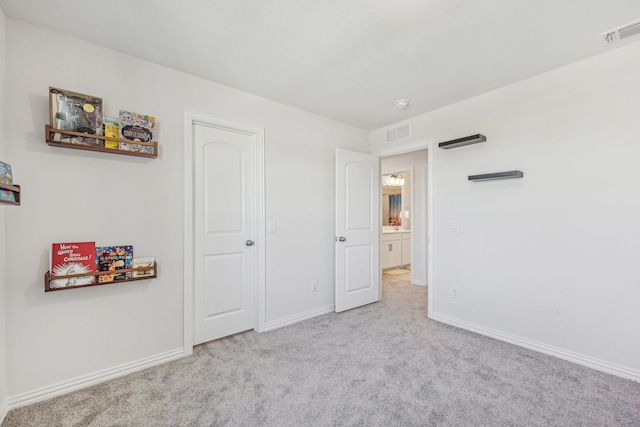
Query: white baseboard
(3,410)
(560,353)
(285,321)
(419,282)
(48,392)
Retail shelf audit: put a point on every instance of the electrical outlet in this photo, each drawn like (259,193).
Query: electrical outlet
(314,286)
(457,227)
(454,292)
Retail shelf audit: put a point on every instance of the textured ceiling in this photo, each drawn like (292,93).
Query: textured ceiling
(348,60)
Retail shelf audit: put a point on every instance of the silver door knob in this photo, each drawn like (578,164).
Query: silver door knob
(342,239)
(249,243)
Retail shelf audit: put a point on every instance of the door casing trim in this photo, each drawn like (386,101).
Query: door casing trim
(190,119)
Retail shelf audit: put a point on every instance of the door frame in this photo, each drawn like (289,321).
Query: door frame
(417,146)
(191,118)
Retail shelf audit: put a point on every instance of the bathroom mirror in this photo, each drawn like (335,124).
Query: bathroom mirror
(396,200)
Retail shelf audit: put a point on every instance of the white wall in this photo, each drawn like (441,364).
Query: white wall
(416,162)
(3,269)
(71,195)
(549,261)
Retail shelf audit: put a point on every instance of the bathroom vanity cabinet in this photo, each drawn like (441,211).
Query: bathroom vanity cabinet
(395,248)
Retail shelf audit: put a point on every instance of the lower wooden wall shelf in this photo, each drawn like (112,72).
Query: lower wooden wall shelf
(48,277)
(16,193)
(49,133)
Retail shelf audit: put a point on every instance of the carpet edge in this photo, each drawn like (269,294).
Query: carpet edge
(560,353)
(84,381)
(290,320)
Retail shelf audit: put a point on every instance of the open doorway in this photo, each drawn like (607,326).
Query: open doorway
(403,240)
(396,200)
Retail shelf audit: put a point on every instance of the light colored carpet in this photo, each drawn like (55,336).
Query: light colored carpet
(385,364)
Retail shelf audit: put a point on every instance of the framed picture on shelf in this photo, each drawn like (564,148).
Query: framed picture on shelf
(77,112)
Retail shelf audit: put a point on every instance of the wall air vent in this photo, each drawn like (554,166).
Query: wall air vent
(620,33)
(397,133)
(404,131)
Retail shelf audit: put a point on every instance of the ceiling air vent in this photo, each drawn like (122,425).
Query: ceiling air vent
(621,33)
(397,133)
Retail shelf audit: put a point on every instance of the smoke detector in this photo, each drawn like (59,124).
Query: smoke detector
(402,104)
(620,33)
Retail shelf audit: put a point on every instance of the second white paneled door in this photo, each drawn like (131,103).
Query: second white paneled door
(224,228)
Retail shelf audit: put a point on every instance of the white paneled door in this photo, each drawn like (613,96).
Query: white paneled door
(357,229)
(224,228)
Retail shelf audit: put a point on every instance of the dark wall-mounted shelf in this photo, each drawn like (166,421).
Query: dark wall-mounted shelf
(49,132)
(496,175)
(461,142)
(16,193)
(48,277)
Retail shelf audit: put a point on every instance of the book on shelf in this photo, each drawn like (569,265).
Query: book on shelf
(111,130)
(77,112)
(114,258)
(7,195)
(6,178)
(137,127)
(147,264)
(72,258)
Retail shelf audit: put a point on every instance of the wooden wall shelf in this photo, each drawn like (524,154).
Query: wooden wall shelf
(16,192)
(48,278)
(49,132)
